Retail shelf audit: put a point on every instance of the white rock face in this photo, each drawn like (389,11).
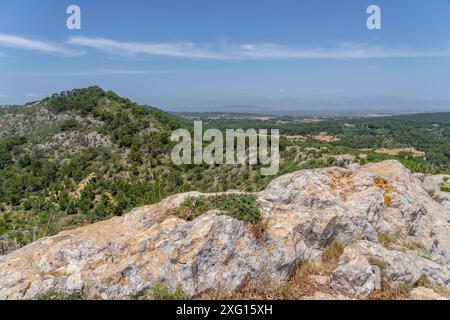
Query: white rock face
(304,211)
(433,185)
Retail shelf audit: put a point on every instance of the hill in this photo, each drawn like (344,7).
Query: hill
(79,157)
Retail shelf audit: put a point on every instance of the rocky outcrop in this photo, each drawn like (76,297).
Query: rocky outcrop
(434,184)
(343,160)
(394,233)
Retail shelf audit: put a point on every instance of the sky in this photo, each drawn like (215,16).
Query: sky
(182,55)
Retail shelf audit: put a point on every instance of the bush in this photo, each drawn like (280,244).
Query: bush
(162,292)
(243,207)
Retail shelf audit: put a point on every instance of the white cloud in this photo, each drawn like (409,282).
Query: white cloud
(97,72)
(252,51)
(214,51)
(19,42)
(34,95)
(180,50)
(131,72)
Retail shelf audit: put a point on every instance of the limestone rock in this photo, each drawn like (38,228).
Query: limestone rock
(343,160)
(125,257)
(356,273)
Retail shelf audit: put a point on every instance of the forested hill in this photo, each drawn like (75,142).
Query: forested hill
(78,157)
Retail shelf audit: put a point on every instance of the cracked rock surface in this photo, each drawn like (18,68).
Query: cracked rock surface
(394,232)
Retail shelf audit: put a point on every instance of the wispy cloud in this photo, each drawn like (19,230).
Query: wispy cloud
(252,51)
(214,51)
(97,72)
(179,50)
(131,72)
(34,95)
(18,42)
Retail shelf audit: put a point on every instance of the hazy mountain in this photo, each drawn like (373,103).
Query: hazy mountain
(318,105)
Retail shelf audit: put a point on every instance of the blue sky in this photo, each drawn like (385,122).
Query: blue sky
(183,54)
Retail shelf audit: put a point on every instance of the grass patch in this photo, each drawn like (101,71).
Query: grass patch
(243,207)
(387,239)
(55,295)
(400,292)
(430,192)
(441,290)
(424,281)
(298,286)
(436,197)
(445,189)
(415,245)
(332,252)
(162,292)
(258,229)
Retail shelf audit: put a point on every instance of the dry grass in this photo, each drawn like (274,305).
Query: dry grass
(332,253)
(401,292)
(388,292)
(387,239)
(424,281)
(434,196)
(258,229)
(395,152)
(7,245)
(415,246)
(299,286)
(323,136)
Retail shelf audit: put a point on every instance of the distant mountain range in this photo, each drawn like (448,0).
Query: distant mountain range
(317,105)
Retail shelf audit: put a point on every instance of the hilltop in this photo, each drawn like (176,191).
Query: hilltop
(78,157)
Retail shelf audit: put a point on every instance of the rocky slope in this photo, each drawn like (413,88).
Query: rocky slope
(393,231)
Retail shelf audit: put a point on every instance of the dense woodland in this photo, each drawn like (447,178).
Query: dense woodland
(87,155)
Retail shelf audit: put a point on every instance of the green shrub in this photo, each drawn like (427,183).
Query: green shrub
(243,207)
(162,292)
(55,295)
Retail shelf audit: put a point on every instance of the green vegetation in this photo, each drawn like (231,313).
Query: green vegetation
(162,292)
(333,251)
(53,178)
(387,239)
(243,207)
(53,295)
(429,133)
